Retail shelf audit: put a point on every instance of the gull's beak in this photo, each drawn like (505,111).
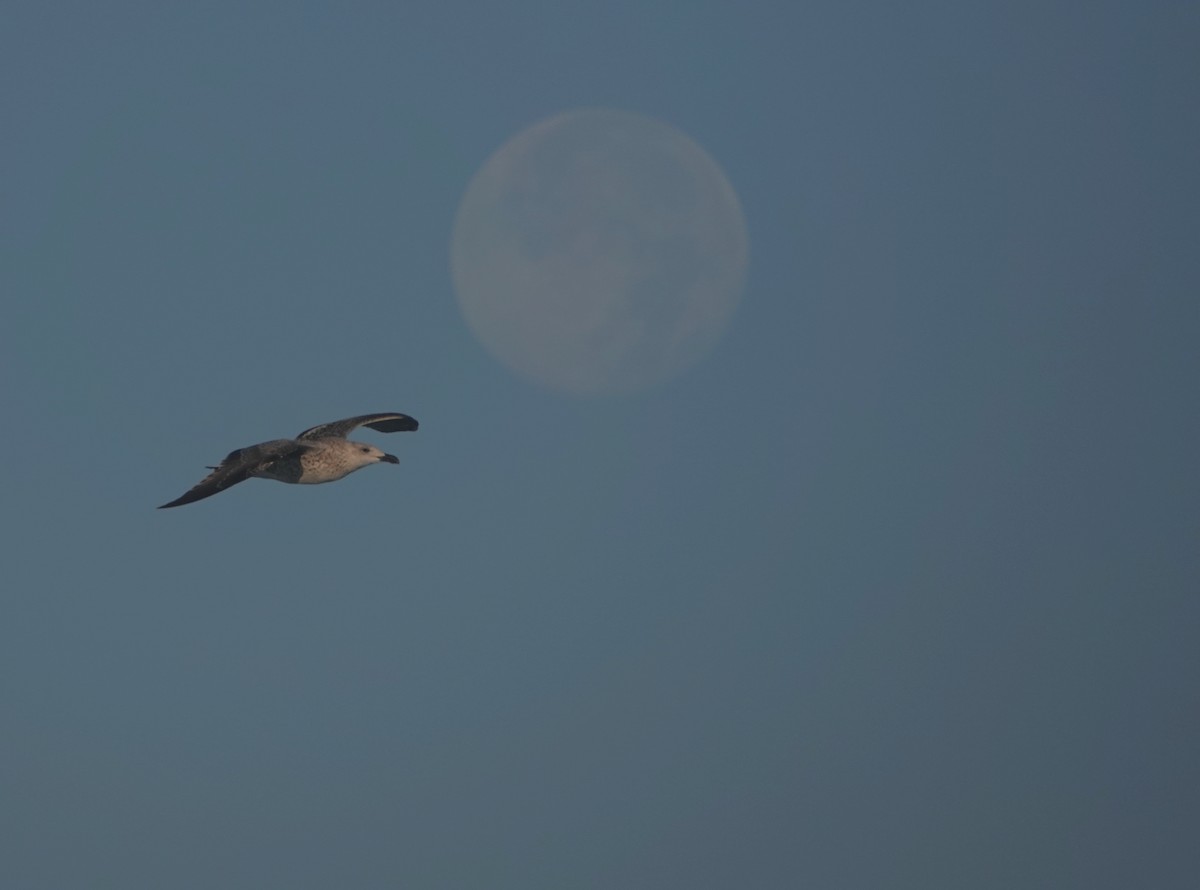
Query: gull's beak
(390,459)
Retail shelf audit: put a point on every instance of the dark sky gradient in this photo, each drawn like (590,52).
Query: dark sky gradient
(897,588)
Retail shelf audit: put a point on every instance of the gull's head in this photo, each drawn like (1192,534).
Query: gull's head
(369,454)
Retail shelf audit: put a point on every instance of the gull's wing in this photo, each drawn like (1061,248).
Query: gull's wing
(238,466)
(339,429)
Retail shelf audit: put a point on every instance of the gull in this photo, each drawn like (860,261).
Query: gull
(320,454)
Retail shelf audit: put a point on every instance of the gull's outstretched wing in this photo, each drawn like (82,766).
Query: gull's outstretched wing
(238,466)
(339,429)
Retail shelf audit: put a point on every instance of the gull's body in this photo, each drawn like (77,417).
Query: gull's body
(320,454)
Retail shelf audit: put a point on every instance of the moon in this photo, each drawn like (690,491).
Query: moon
(598,252)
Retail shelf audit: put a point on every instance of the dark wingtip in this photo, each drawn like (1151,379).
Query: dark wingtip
(188,497)
(401,423)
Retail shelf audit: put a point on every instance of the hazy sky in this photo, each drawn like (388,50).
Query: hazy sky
(895,589)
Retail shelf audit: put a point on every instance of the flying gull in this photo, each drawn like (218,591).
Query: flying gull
(320,454)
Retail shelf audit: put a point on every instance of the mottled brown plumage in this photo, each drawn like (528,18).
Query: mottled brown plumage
(317,455)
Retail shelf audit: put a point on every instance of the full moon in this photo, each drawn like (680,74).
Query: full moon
(599,251)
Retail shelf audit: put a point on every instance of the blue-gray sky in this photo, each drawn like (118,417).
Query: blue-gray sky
(897,588)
